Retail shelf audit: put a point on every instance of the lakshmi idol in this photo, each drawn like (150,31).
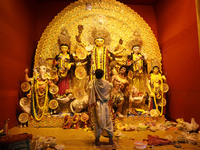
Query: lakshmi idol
(63,62)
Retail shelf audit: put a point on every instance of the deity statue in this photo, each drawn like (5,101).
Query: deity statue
(100,56)
(139,68)
(137,60)
(138,64)
(156,88)
(63,63)
(40,83)
(119,93)
(74,45)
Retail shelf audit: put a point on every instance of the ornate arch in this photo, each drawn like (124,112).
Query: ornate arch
(120,20)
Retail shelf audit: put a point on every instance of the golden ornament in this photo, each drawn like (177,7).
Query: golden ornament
(162,104)
(53,74)
(165,88)
(25,104)
(25,86)
(53,104)
(24,101)
(53,89)
(23,117)
(80,72)
(79,93)
(81,53)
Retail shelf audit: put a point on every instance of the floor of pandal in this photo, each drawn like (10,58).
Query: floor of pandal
(72,139)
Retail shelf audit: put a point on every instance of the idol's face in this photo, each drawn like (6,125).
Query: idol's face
(42,69)
(155,70)
(64,48)
(99,41)
(136,49)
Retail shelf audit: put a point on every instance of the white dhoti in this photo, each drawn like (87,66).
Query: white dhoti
(103,119)
(101,114)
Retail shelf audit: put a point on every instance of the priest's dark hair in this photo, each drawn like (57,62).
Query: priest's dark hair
(99,73)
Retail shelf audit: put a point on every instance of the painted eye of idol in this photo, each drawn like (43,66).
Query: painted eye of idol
(42,68)
(99,41)
(136,49)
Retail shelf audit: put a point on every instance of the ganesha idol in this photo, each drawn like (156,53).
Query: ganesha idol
(38,91)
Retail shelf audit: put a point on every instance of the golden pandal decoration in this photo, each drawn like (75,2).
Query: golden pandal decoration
(119,20)
(25,87)
(23,117)
(53,104)
(53,89)
(135,40)
(80,72)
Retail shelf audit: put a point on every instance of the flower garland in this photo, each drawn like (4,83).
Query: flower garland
(41,94)
(44,108)
(99,59)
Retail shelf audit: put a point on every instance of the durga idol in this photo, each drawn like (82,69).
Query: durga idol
(100,56)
